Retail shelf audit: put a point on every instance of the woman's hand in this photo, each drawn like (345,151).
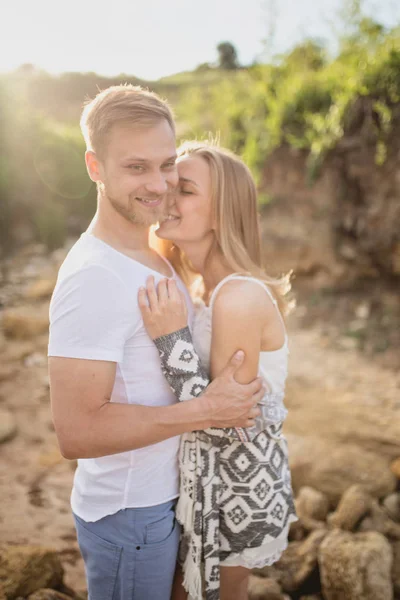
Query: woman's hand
(163,309)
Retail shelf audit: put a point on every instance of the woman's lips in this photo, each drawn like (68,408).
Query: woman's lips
(172,218)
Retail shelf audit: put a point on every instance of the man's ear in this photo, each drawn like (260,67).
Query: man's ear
(92,165)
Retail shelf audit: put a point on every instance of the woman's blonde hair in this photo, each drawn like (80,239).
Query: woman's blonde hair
(235,219)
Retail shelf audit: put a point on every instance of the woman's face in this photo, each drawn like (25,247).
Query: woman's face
(190,214)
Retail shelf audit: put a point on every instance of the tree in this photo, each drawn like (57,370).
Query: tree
(309,54)
(227,56)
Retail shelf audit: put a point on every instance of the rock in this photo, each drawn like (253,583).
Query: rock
(396,567)
(18,350)
(355,566)
(379,521)
(48,594)
(8,426)
(264,588)
(395,467)
(2,338)
(7,372)
(312,503)
(391,506)
(24,322)
(26,569)
(332,468)
(298,531)
(37,359)
(354,504)
(41,289)
(297,563)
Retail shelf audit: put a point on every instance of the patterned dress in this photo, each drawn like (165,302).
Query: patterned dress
(236,501)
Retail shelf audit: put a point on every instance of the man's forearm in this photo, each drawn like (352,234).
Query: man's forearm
(116,428)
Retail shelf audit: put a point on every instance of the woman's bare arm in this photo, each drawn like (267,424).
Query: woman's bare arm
(241,312)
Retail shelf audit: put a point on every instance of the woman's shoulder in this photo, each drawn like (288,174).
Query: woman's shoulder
(243,297)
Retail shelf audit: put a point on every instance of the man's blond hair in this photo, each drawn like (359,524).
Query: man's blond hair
(121,104)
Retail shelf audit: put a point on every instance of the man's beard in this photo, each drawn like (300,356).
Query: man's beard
(130,212)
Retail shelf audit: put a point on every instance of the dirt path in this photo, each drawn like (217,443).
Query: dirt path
(336,394)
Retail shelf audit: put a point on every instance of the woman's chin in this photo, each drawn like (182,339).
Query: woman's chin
(163,233)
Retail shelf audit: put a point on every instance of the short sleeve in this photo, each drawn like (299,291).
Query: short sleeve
(92,315)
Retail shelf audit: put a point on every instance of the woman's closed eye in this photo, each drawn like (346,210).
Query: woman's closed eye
(186,192)
(169,165)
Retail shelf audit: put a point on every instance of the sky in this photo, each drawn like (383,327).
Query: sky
(156,38)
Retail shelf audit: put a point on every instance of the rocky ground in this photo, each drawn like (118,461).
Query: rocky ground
(343,432)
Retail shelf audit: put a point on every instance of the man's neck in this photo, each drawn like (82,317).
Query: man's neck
(114,230)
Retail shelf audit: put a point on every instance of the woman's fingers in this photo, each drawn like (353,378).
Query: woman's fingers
(183,302)
(152,293)
(162,292)
(143,303)
(173,291)
(177,296)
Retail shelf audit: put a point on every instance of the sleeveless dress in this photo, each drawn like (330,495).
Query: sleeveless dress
(236,500)
(257,492)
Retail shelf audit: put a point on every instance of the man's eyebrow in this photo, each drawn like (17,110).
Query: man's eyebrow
(135,159)
(138,159)
(186,180)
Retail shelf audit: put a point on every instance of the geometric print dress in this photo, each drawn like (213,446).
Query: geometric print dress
(236,500)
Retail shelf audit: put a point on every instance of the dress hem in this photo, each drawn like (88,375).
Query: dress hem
(258,562)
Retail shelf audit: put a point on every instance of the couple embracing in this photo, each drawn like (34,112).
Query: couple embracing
(168,366)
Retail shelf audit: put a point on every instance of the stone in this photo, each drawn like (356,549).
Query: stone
(396,567)
(7,372)
(355,566)
(27,569)
(395,467)
(332,468)
(41,289)
(391,505)
(48,594)
(8,426)
(378,520)
(24,323)
(37,359)
(3,340)
(354,504)
(264,588)
(297,563)
(312,503)
(18,350)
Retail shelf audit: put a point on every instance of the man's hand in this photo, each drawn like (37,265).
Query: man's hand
(233,404)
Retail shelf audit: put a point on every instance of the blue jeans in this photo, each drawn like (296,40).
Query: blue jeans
(130,555)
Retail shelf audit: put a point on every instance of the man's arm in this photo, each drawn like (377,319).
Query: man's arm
(182,368)
(88,425)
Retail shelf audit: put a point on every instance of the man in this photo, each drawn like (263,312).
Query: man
(112,408)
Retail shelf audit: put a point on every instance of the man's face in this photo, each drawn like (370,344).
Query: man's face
(137,171)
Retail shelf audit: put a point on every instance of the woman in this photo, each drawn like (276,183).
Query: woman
(236,501)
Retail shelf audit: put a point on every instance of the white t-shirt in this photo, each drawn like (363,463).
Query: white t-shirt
(94,314)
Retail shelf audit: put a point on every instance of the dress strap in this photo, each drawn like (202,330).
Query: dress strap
(219,286)
(238,276)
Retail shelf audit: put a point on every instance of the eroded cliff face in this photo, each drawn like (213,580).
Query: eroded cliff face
(346,224)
